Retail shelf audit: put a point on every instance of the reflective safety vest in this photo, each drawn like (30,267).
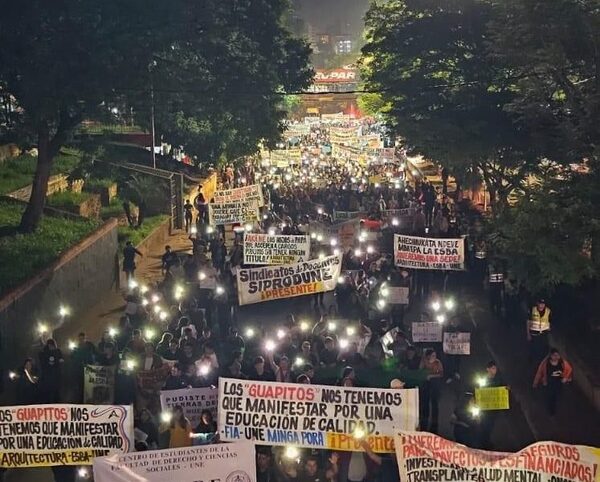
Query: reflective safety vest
(496,278)
(539,323)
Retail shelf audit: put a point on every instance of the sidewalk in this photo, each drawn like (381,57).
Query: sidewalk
(576,416)
(110,307)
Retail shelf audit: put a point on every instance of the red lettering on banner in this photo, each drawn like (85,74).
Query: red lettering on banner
(282,391)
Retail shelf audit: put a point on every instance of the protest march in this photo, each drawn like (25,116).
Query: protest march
(320,320)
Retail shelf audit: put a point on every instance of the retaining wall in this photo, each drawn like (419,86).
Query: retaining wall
(78,278)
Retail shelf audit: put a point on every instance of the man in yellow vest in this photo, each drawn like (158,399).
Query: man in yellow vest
(538,329)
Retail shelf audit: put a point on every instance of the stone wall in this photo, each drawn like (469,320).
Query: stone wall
(78,278)
(55,184)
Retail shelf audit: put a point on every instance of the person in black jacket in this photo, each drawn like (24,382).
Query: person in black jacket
(51,360)
(27,384)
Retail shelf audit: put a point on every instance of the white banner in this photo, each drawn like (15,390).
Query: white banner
(426,332)
(98,384)
(63,434)
(398,295)
(426,457)
(246,193)
(210,463)
(457,343)
(233,213)
(429,253)
(275,249)
(314,416)
(345,215)
(277,282)
(193,401)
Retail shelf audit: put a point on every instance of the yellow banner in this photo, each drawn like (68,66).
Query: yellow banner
(209,186)
(492,398)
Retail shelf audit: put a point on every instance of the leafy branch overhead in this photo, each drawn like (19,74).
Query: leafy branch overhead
(216,68)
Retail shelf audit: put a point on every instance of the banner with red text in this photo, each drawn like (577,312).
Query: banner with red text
(288,281)
(275,249)
(210,463)
(63,434)
(426,457)
(314,416)
(239,194)
(429,253)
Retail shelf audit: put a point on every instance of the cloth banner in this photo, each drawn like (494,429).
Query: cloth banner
(429,253)
(193,401)
(275,249)
(426,332)
(63,434)
(233,213)
(345,215)
(210,463)
(492,398)
(314,416)
(288,281)
(398,295)
(98,385)
(246,194)
(457,343)
(297,130)
(426,457)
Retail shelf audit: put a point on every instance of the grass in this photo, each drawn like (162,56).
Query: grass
(68,199)
(18,172)
(114,210)
(94,184)
(136,236)
(23,255)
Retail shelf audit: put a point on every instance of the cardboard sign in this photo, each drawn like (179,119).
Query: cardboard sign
(63,434)
(256,285)
(429,253)
(313,416)
(423,457)
(193,401)
(427,332)
(275,249)
(457,343)
(492,398)
(221,462)
(233,213)
(398,295)
(98,384)
(239,194)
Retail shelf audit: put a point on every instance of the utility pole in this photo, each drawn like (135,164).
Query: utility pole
(152,124)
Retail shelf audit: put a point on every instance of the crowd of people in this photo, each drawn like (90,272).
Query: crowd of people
(188,324)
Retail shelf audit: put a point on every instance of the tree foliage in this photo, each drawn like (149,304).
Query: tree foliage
(217,68)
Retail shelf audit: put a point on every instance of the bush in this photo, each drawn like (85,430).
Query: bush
(114,210)
(23,255)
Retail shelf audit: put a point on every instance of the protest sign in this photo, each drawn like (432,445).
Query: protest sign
(492,398)
(429,253)
(98,384)
(193,401)
(207,278)
(63,434)
(398,295)
(246,194)
(152,379)
(233,213)
(275,249)
(426,332)
(345,215)
(457,343)
(425,457)
(221,462)
(277,282)
(314,416)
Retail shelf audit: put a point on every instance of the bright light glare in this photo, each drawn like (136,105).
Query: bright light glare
(269,345)
(435,306)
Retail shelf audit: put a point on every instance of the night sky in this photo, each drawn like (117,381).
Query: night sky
(327,16)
